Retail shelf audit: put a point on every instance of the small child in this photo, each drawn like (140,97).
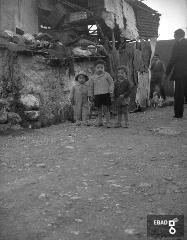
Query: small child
(79,99)
(101,89)
(157,100)
(122,91)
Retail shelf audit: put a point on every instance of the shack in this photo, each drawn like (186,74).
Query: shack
(39,60)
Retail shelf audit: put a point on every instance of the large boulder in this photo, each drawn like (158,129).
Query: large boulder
(30,102)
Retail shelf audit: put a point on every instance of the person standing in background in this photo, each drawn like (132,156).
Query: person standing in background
(157,76)
(178,64)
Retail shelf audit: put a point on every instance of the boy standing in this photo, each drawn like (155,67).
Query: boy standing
(101,89)
(122,91)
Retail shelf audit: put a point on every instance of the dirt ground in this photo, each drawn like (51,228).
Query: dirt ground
(86,183)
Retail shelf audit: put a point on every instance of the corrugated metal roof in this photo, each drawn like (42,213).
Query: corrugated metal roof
(147,19)
(141,5)
(147,23)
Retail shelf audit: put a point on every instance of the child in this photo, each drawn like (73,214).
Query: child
(157,100)
(101,88)
(79,99)
(122,91)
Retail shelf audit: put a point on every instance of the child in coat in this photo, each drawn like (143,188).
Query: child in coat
(79,99)
(101,89)
(122,91)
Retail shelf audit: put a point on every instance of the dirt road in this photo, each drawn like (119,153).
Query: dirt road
(85,183)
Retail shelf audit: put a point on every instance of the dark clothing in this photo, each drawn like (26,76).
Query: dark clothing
(178,63)
(157,70)
(178,60)
(185,94)
(180,86)
(102,100)
(157,77)
(122,88)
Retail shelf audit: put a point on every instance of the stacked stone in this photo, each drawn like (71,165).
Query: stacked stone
(7,118)
(30,110)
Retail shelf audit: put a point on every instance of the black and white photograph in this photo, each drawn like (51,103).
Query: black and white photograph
(93,119)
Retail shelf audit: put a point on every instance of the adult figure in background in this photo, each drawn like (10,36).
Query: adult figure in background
(178,64)
(157,76)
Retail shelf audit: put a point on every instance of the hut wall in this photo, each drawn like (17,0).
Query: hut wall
(21,14)
(23,75)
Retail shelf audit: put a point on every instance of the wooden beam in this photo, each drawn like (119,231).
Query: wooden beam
(113,40)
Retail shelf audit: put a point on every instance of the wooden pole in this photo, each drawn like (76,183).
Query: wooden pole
(113,40)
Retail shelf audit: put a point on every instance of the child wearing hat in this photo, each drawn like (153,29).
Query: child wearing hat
(122,91)
(101,87)
(79,99)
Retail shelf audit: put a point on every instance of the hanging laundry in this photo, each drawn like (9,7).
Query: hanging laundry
(126,58)
(138,61)
(114,15)
(142,94)
(114,61)
(146,53)
(153,46)
(127,54)
(130,49)
(123,57)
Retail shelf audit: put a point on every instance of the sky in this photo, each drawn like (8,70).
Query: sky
(174,16)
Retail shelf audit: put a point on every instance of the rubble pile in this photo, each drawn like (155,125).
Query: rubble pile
(41,43)
(49,46)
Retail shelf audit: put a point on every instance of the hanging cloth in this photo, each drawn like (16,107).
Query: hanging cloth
(146,54)
(142,94)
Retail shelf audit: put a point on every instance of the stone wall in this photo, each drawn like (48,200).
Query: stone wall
(22,75)
(28,77)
